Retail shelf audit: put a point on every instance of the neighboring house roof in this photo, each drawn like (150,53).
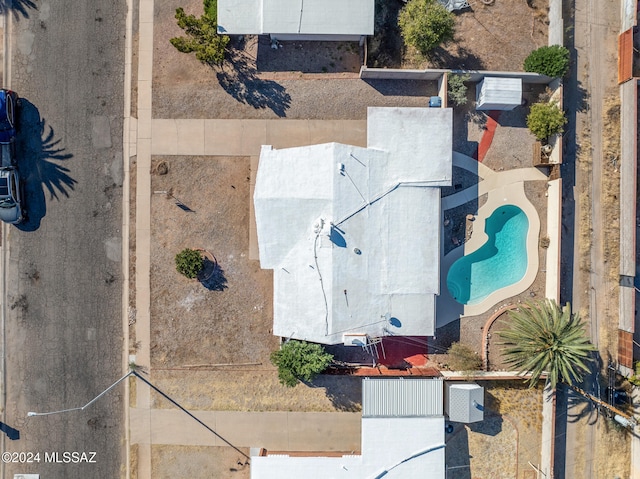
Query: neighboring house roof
(311,17)
(353,234)
(405,446)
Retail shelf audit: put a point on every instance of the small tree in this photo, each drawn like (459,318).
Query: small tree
(552,61)
(457,88)
(201,35)
(463,358)
(425,24)
(189,262)
(543,337)
(300,361)
(545,119)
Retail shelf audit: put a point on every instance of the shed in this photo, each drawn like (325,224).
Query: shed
(498,93)
(464,402)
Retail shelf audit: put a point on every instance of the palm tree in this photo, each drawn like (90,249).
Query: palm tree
(545,337)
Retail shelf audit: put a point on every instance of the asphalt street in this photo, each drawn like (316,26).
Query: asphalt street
(63,327)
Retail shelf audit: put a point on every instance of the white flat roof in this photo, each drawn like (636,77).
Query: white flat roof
(311,17)
(353,234)
(398,448)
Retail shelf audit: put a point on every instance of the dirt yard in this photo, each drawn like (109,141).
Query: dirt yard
(210,346)
(487,37)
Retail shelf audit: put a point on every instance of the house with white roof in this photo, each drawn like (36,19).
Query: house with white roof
(326,20)
(353,234)
(403,437)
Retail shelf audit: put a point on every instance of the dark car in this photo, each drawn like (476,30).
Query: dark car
(9,103)
(11,202)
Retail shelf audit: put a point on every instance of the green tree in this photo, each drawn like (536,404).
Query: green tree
(552,61)
(189,262)
(457,88)
(425,24)
(300,361)
(545,337)
(201,35)
(463,358)
(545,119)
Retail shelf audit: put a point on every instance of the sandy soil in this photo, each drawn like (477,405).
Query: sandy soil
(191,325)
(485,37)
(170,462)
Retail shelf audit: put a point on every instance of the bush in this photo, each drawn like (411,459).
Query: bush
(552,61)
(425,24)
(463,358)
(300,361)
(201,36)
(457,89)
(189,262)
(545,119)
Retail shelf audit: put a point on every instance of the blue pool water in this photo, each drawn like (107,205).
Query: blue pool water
(500,262)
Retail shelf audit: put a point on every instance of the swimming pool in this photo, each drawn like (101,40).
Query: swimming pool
(500,262)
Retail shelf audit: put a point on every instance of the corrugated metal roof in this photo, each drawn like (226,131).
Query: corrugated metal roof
(401,397)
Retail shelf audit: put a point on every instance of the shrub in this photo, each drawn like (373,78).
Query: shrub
(189,262)
(425,24)
(300,361)
(457,89)
(545,119)
(463,358)
(201,35)
(552,61)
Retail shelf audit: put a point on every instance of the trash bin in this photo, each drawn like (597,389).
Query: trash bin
(435,102)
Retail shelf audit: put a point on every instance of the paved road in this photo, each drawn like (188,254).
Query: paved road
(63,332)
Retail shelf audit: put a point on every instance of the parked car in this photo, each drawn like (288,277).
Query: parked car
(8,153)
(11,201)
(9,104)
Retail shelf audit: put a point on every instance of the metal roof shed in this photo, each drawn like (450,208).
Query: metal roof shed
(464,402)
(400,397)
(498,93)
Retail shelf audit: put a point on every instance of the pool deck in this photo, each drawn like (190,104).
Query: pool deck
(502,188)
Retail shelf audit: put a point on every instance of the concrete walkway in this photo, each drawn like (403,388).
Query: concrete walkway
(245,137)
(276,431)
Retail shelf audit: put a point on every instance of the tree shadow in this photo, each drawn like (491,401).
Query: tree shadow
(17,7)
(461,59)
(242,83)
(384,48)
(344,392)
(579,407)
(212,276)
(39,156)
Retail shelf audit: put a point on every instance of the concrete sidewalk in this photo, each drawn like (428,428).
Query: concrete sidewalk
(245,137)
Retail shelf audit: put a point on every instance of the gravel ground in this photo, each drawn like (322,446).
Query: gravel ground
(184,88)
